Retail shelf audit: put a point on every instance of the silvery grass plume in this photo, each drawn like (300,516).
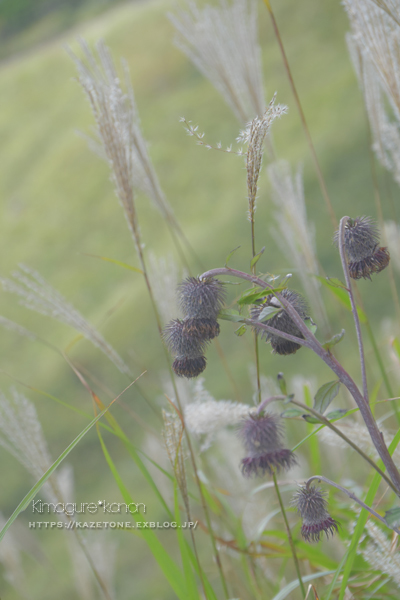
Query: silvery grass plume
(36,294)
(222,42)
(120,135)
(165,275)
(381,553)
(10,558)
(392,235)
(375,49)
(254,136)
(293,232)
(173,439)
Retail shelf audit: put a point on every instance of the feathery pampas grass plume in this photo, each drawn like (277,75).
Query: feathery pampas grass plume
(281,321)
(36,294)
(361,242)
(173,439)
(118,129)
(222,42)
(208,417)
(374,46)
(311,503)
(293,232)
(380,552)
(262,439)
(392,235)
(254,136)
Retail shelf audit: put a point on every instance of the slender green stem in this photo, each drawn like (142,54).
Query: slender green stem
(289,535)
(302,118)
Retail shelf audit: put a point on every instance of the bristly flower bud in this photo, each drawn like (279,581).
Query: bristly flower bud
(311,504)
(204,329)
(282,320)
(201,298)
(184,341)
(361,242)
(262,438)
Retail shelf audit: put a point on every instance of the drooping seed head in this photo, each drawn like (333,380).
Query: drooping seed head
(189,367)
(361,242)
(262,438)
(311,504)
(282,321)
(201,298)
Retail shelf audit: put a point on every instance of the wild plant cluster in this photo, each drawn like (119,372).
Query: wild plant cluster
(243,549)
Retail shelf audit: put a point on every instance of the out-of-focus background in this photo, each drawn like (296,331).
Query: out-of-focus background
(58,209)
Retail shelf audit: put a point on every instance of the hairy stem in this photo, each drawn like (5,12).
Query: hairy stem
(310,341)
(289,535)
(346,272)
(352,496)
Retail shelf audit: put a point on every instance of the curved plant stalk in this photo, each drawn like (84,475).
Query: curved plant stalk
(352,496)
(310,341)
(346,272)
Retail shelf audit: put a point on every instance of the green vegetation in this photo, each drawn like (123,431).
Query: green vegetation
(58,208)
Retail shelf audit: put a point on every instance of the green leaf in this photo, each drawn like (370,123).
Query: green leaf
(333,282)
(38,485)
(230,255)
(228,314)
(343,296)
(170,569)
(335,415)
(282,383)
(311,419)
(325,395)
(310,325)
(268,312)
(256,258)
(117,262)
(252,295)
(335,339)
(392,516)
(288,589)
(292,413)
(396,346)
(241,330)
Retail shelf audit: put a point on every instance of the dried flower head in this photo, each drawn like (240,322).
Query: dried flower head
(201,298)
(361,242)
(188,344)
(262,438)
(311,504)
(205,329)
(189,367)
(282,321)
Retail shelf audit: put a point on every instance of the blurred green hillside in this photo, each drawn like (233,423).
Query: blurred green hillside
(58,207)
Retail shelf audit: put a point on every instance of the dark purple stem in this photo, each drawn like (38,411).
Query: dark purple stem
(310,341)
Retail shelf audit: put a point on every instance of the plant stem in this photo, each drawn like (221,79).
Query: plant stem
(302,118)
(352,496)
(310,341)
(348,441)
(289,535)
(346,272)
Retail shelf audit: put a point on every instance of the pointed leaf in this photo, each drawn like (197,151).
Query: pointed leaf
(392,516)
(335,339)
(256,258)
(311,419)
(335,415)
(325,395)
(310,325)
(228,314)
(282,383)
(241,331)
(268,312)
(230,255)
(292,413)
